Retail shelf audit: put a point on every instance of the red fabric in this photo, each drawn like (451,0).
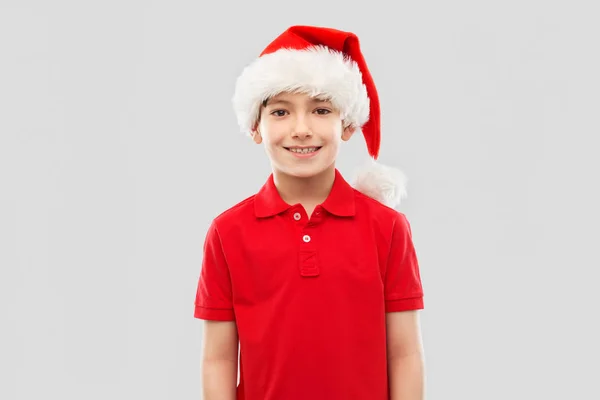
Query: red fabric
(301,36)
(310,313)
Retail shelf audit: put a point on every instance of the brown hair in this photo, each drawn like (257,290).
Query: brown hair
(264,104)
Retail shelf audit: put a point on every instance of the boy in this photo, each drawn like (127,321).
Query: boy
(317,281)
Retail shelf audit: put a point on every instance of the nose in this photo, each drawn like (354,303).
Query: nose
(301,129)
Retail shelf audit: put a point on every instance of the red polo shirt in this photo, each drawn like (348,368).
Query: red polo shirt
(309,297)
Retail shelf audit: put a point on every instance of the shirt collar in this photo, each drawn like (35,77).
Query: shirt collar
(340,201)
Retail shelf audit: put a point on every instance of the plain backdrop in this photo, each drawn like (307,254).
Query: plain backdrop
(118,145)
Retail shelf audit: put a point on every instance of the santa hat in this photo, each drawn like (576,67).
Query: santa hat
(325,63)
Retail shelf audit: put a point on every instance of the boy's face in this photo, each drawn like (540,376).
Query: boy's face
(301,134)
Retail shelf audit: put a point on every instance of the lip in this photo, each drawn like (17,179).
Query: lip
(300,155)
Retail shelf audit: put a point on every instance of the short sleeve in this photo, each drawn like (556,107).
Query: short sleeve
(403,287)
(213,294)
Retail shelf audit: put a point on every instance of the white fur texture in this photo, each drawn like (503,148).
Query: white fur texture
(382,183)
(316,71)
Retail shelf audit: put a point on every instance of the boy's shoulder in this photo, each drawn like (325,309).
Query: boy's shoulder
(375,208)
(386,221)
(236,212)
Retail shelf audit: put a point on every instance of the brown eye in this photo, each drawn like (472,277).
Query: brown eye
(322,111)
(278,113)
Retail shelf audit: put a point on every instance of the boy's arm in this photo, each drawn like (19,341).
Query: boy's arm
(405,356)
(404,297)
(214,305)
(220,360)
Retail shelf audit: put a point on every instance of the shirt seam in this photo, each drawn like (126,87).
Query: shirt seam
(390,241)
(214,308)
(415,296)
(223,249)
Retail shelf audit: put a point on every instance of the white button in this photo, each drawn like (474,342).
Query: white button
(306,238)
(297,216)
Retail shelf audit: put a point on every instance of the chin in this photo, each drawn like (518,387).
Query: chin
(306,171)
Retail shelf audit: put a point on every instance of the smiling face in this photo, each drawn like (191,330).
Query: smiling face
(301,134)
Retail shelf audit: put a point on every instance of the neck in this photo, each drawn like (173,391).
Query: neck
(311,190)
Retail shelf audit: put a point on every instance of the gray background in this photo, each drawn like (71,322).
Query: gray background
(118,145)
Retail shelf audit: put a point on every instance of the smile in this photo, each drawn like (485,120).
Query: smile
(303,150)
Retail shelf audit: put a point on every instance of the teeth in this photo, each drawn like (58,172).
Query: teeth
(304,151)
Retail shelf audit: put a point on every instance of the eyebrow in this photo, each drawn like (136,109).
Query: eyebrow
(278,102)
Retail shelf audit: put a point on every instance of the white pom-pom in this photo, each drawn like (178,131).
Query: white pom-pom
(380,182)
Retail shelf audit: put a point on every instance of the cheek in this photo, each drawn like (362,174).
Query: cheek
(270,133)
(273,142)
(334,133)
(272,139)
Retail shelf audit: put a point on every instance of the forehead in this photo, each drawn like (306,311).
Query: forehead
(297,98)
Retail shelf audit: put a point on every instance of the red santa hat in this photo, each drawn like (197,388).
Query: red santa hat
(325,63)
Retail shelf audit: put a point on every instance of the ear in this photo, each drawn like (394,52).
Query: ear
(348,132)
(256,136)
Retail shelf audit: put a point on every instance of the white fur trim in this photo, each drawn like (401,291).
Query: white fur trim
(382,183)
(316,71)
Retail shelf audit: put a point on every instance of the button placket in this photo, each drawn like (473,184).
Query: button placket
(317,216)
(309,266)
